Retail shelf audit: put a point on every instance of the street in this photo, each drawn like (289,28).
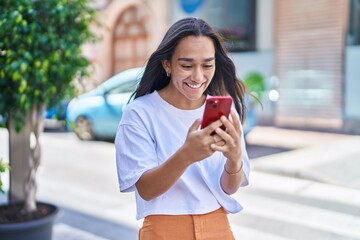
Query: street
(80,177)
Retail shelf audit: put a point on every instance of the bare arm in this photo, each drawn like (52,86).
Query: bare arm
(158,180)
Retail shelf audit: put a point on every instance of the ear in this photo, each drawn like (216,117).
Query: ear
(166,66)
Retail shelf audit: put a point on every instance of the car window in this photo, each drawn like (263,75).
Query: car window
(125,87)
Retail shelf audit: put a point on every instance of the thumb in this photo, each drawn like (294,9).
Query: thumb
(195,125)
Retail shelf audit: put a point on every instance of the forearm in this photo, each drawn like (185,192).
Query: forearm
(232,176)
(158,180)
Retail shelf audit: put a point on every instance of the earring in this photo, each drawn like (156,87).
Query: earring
(167,74)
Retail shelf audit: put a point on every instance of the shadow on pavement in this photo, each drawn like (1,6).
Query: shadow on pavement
(256,151)
(72,224)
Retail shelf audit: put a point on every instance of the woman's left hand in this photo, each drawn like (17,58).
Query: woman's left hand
(230,142)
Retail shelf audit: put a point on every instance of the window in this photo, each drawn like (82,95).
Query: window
(234,19)
(354,23)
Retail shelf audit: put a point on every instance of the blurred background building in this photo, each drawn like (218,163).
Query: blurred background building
(307,51)
(129,30)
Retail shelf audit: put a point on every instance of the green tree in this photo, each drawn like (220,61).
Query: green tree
(40,56)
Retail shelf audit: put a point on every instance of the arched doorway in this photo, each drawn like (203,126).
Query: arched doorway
(129,40)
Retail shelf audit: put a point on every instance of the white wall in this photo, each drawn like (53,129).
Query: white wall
(265,25)
(352,82)
(261,61)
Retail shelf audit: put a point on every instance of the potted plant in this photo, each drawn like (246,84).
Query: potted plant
(40,56)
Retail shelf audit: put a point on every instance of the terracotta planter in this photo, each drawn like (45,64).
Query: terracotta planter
(40,228)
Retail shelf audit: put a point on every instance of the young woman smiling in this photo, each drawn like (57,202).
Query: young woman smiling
(182,175)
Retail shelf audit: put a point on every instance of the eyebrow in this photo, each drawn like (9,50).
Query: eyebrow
(190,59)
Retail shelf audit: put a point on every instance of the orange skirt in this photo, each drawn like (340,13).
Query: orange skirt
(214,225)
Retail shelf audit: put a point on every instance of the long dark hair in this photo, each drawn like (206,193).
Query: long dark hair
(224,81)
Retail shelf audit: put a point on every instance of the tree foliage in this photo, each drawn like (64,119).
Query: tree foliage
(40,52)
(3,167)
(255,84)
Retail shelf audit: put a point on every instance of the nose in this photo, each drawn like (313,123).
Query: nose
(197,75)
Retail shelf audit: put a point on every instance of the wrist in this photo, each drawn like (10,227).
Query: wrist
(232,168)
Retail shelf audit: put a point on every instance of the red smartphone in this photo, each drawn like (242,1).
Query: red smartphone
(215,107)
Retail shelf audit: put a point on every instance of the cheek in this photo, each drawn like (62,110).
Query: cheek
(179,76)
(177,80)
(209,75)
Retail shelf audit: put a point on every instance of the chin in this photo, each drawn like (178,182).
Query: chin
(195,97)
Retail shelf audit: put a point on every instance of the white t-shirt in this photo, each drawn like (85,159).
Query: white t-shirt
(150,131)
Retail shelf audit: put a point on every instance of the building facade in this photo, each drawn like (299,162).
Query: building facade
(307,51)
(317,63)
(128,31)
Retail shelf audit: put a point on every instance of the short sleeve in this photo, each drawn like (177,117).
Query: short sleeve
(135,154)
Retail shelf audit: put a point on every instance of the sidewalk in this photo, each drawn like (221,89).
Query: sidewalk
(333,159)
(323,157)
(75,225)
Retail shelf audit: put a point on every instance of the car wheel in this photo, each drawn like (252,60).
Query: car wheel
(83,129)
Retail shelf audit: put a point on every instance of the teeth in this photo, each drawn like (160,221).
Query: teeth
(194,85)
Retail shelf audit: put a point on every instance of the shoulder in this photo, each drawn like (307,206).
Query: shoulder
(143,102)
(139,107)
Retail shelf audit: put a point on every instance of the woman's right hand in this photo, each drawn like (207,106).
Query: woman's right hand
(198,141)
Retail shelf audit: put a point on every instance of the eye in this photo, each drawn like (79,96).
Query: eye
(208,66)
(186,66)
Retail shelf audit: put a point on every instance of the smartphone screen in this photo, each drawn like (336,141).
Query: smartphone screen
(215,107)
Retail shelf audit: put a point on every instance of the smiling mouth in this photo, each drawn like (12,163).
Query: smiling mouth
(194,86)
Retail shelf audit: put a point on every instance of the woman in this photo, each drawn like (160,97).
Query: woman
(182,175)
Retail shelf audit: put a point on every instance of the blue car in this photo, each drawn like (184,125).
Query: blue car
(96,114)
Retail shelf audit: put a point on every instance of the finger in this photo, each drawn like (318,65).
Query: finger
(227,123)
(220,146)
(214,125)
(236,121)
(211,140)
(195,125)
(216,138)
(225,136)
(233,125)
(220,143)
